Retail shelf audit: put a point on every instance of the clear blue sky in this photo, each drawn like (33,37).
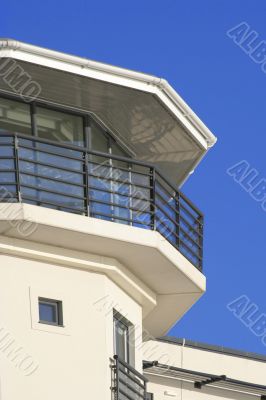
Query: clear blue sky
(186,43)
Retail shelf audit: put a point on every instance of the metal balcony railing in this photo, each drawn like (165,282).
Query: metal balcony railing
(99,185)
(128,384)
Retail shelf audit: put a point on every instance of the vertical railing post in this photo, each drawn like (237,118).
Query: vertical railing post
(86,182)
(130,195)
(117,377)
(16,155)
(153,197)
(178,209)
(201,224)
(87,139)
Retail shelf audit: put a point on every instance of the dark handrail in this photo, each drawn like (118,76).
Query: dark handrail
(108,192)
(128,382)
(104,155)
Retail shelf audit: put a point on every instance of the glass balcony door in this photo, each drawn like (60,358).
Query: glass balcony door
(121,339)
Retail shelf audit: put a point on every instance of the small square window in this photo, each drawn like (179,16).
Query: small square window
(50,312)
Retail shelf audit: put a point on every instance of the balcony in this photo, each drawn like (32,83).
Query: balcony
(128,384)
(90,183)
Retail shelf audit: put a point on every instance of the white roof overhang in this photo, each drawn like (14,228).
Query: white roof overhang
(142,111)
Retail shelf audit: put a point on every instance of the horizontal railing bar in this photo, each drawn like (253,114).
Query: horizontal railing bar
(6,144)
(23,172)
(180,239)
(7,134)
(56,192)
(190,238)
(132,377)
(77,148)
(189,258)
(112,216)
(44,141)
(173,221)
(176,198)
(40,150)
(179,216)
(128,385)
(10,200)
(119,181)
(131,369)
(198,219)
(149,200)
(8,183)
(129,397)
(51,166)
(60,206)
(180,193)
(129,170)
(190,250)
(193,242)
(117,205)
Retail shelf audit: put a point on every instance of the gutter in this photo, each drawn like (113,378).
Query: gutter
(159,83)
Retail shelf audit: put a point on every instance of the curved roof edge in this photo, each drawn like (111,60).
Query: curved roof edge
(161,84)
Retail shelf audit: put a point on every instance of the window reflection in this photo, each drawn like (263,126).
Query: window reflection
(59,126)
(14,117)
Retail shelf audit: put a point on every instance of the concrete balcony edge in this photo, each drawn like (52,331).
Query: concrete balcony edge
(165,280)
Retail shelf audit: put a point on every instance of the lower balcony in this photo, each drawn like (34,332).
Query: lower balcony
(98,185)
(128,384)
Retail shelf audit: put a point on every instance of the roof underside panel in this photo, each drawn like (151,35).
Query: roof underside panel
(136,118)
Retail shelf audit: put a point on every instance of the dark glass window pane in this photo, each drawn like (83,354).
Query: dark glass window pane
(118,151)
(99,140)
(14,117)
(60,127)
(48,312)
(121,339)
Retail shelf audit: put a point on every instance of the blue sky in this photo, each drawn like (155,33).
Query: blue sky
(186,43)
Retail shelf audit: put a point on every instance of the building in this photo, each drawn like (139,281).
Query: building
(187,370)
(100,251)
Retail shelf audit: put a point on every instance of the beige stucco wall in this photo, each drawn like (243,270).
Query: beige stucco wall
(63,363)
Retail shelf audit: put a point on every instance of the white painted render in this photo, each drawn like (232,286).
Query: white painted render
(142,262)
(69,362)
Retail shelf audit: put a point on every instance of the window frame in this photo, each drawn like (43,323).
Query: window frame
(119,319)
(58,304)
(87,117)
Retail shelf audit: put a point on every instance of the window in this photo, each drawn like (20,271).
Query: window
(60,126)
(99,140)
(50,312)
(14,117)
(121,338)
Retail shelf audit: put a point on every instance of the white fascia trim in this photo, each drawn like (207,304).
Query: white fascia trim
(86,261)
(135,80)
